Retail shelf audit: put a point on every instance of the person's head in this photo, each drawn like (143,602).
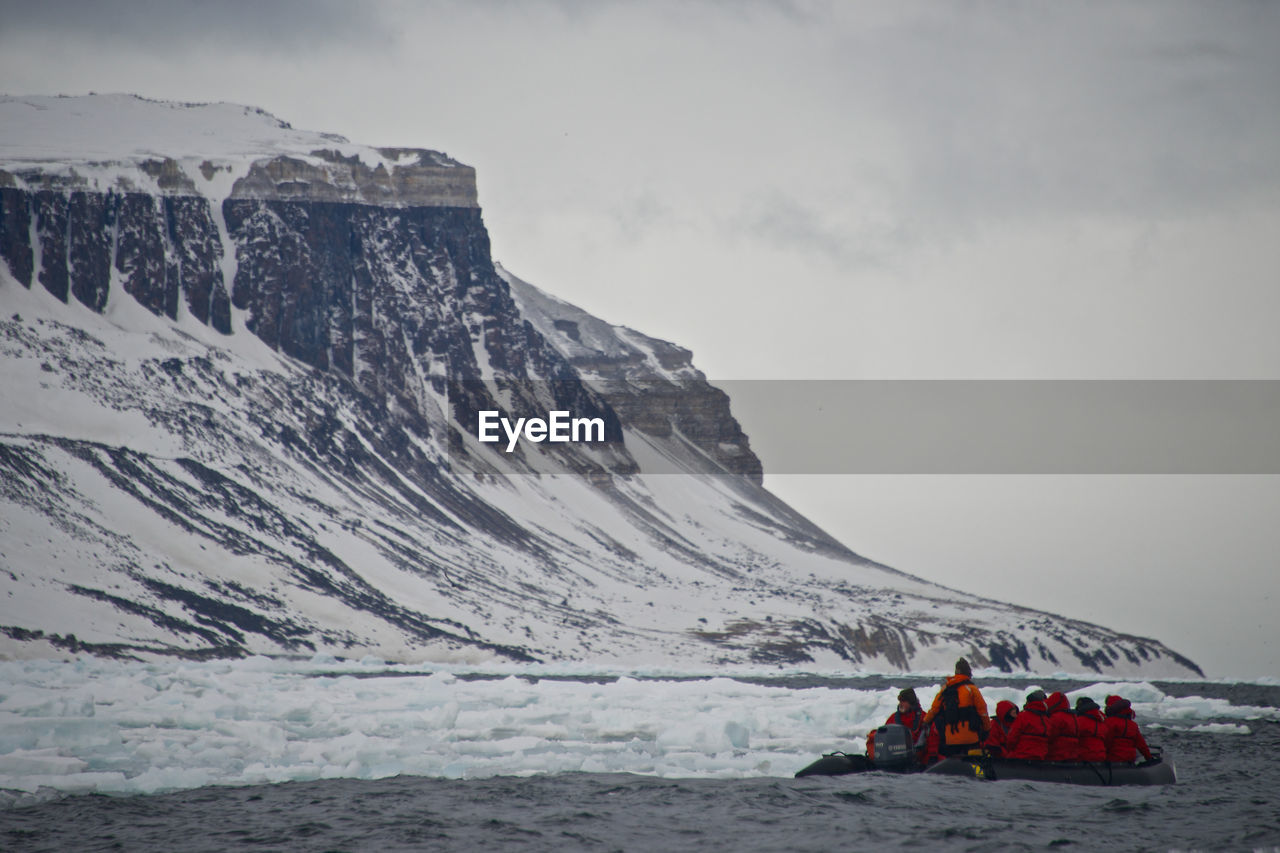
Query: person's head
(1006,711)
(907,700)
(1118,707)
(962,667)
(1084,705)
(1057,701)
(1034,696)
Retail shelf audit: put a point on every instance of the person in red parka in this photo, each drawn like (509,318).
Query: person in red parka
(1006,712)
(1064,740)
(1121,735)
(1089,725)
(1028,737)
(909,714)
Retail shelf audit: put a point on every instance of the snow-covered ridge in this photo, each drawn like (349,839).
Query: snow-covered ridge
(125,127)
(124,143)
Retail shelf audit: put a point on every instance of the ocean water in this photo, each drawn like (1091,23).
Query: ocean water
(90,760)
(1226,799)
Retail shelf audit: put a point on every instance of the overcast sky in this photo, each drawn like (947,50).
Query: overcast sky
(839,190)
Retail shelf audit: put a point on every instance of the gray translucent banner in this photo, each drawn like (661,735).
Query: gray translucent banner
(1011,427)
(685,426)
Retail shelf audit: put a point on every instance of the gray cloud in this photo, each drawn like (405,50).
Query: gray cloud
(169,26)
(1040,109)
(1113,109)
(636,217)
(783,221)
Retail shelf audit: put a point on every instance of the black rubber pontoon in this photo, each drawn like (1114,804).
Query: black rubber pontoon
(837,764)
(894,752)
(1158,772)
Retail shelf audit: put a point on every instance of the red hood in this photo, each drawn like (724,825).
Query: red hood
(1004,708)
(1058,702)
(1037,705)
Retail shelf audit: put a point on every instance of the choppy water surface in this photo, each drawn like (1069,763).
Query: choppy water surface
(1226,799)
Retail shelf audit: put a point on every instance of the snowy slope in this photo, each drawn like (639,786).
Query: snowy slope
(124,143)
(73,131)
(303,479)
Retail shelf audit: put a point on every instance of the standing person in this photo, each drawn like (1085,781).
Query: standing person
(1006,713)
(1089,727)
(961,712)
(1028,737)
(1064,737)
(1120,733)
(909,714)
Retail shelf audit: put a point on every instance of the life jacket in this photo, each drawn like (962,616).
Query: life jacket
(1064,739)
(1028,737)
(1006,711)
(1121,735)
(962,712)
(1089,726)
(913,720)
(932,745)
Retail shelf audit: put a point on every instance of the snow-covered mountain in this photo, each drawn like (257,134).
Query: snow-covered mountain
(241,371)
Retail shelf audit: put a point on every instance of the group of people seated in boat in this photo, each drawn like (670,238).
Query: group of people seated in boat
(1046,729)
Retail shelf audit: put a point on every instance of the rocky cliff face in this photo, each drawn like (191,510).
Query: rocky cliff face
(651,384)
(260,435)
(163,250)
(302,255)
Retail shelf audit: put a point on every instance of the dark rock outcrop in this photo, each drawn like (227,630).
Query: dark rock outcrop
(163,250)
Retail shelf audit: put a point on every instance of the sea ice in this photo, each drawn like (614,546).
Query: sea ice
(95,725)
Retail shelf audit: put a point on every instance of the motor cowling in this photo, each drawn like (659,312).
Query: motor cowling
(895,748)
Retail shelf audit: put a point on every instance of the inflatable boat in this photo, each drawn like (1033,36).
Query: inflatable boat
(894,753)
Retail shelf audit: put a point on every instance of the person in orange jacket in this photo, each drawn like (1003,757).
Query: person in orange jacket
(1064,737)
(909,714)
(1089,726)
(1006,712)
(961,713)
(1028,737)
(1121,735)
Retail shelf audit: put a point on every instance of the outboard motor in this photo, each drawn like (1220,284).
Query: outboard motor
(895,749)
